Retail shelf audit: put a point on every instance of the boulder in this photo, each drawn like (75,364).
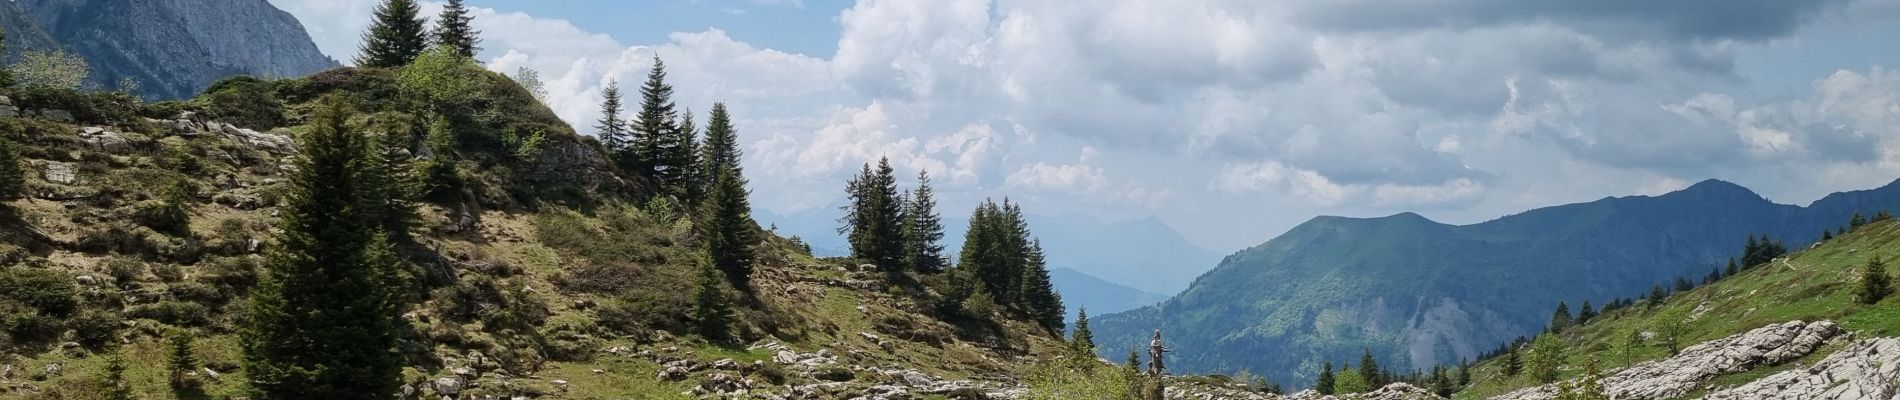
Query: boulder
(1865,370)
(1678,375)
(59,172)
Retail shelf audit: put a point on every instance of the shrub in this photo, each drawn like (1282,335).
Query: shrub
(31,326)
(245,101)
(180,313)
(834,373)
(199,292)
(51,70)
(168,273)
(49,292)
(162,216)
(233,275)
(125,272)
(96,329)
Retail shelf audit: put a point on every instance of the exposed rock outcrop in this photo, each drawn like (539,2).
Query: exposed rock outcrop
(1865,370)
(1675,376)
(172,48)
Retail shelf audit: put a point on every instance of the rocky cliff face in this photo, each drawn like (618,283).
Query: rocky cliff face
(1697,365)
(172,48)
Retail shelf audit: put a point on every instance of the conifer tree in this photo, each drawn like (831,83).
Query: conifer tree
(712,310)
(1881,216)
(1560,319)
(1732,268)
(874,218)
(1324,385)
(1039,297)
(1441,382)
(440,180)
(923,229)
(727,229)
(1875,283)
(396,36)
(1464,372)
(453,30)
(181,363)
(1856,222)
(116,387)
(720,150)
(1827,234)
(1081,337)
(1588,312)
(1513,364)
(611,128)
(690,182)
(653,128)
(1369,369)
(324,318)
(12,174)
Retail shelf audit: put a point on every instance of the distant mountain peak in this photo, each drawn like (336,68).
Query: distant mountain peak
(1717,187)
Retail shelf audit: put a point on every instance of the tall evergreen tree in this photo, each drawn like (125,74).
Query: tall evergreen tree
(727,228)
(1732,268)
(1324,385)
(1856,222)
(1587,313)
(612,128)
(1081,337)
(1875,283)
(712,309)
(12,174)
(1039,297)
(453,30)
(923,229)
(115,385)
(324,318)
(720,150)
(653,128)
(874,217)
(1464,372)
(1560,319)
(1369,369)
(1513,364)
(182,363)
(396,36)
(689,182)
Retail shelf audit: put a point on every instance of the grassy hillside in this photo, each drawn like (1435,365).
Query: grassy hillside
(540,272)
(1812,284)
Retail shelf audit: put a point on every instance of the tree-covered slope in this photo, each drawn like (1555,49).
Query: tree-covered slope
(1419,293)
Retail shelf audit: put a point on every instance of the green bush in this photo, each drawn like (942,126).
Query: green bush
(49,292)
(31,326)
(232,275)
(245,101)
(96,329)
(97,108)
(180,313)
(125,272)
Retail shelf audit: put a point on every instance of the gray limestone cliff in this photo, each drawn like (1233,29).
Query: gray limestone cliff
(172,48)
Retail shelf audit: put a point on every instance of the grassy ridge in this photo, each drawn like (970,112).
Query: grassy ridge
(1813,284)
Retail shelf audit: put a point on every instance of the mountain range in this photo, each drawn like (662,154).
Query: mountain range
(172,48)
(1418,293)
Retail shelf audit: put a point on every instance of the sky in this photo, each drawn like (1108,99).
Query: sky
(1235,120)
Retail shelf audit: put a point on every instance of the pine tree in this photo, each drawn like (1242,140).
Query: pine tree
(923,229)
(116,387)
(1441,382)
(1324,385)
(182,364)
(1856,222)
(873,221)
(689,184)
(712,310)
(1588,312)
(611,128)
(440,179)
(1827,234)
(324,318)
(1081,337)
(1732,268)
(1560,319)
(1881,216)
(453,30)
(396,36)
(1464,372)
(727,229)
(1513,364)
(1039,297)
(1369,369)
(12,174)
(1875,284)
(652,126)
(1656,295)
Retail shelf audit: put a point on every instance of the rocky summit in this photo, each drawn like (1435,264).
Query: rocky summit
(172,49)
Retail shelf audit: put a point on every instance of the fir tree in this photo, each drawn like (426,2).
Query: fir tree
(115,385)
(1856,222)
(324,318)
(1324,385)
(440,179)
(727,229)
(396,36)
(712,310)
(1881,216)
(653,128)
(1039,297)
(1513,364)
(874,218)
(12,174)
(1588,312)
(1875,284)
(1369,369)
(1656,295)
(1081,337)
(1464,372)
(689,182)
(453,30)
(720,151)
(1560,319)
(612,128)
(1683,285)
(181,364)
(1827,234)
(1732,268)
(1441,382)
(923,229)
